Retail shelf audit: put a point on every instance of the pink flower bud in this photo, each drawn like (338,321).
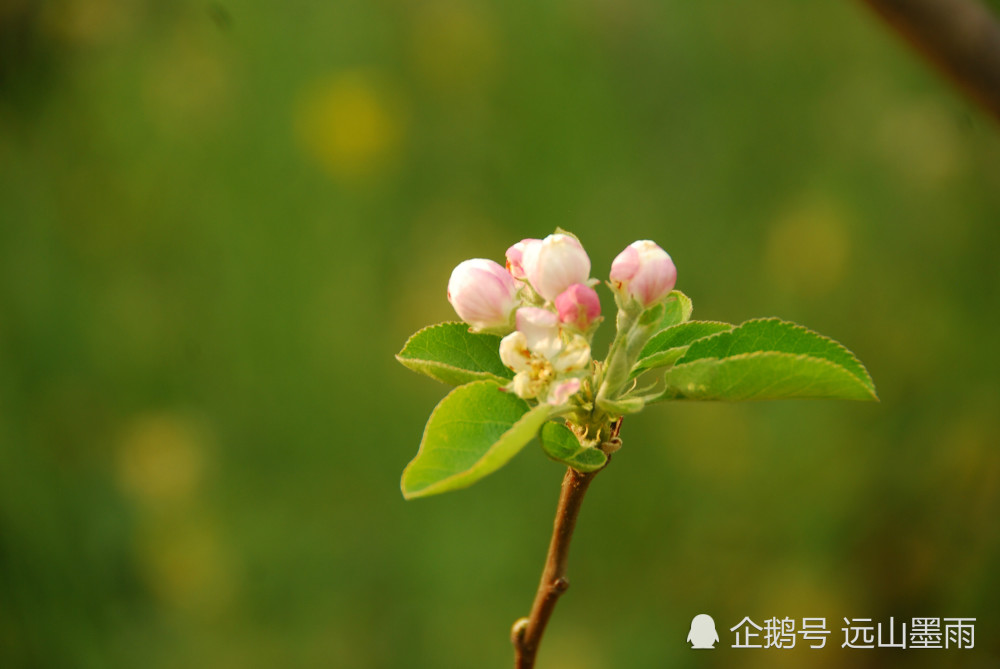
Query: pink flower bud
(644,271)
(514,255)
(555,264)
(483,294)
(579,306)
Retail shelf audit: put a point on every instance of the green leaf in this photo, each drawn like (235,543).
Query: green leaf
(666,346)
(677,309)
(767,359)
(764,375)
(560,444)
(450,353)
(472,432)
(773,334)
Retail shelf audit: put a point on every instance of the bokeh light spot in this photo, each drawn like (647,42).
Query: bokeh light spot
(350,123)
(161,458)
(922,143)
(808,248)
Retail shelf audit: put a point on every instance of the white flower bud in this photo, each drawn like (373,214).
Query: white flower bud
(555,264)
(483,293)
(515,254)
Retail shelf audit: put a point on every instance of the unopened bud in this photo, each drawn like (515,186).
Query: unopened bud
(515,255)
(555,264)
(483,293)
(643,271)
(578,306)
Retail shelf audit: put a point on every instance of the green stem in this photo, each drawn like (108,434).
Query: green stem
(617,367)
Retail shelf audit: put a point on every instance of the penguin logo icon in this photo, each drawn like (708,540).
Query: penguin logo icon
(703,634)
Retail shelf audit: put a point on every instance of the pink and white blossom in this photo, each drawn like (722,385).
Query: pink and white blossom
(578,306)
(515,254)
(554,264)
(574,356)
(541,330)
(514,351)
(643,271)
(542,354)
(483,293)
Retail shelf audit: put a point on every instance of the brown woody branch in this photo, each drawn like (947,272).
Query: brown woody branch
(527,632)
(960,37)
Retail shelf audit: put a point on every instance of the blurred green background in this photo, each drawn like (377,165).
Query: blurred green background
(219,221)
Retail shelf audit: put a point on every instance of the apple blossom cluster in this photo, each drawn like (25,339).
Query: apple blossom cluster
(545,304)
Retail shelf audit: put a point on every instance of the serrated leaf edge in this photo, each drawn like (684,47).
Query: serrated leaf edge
(427,328)
(754,354)
(485,376)
(866,380)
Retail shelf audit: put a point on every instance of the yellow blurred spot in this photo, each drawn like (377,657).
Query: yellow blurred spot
(350,124)
(807,249)
(161,458)
(187,567)
(454,45)
(922,143)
